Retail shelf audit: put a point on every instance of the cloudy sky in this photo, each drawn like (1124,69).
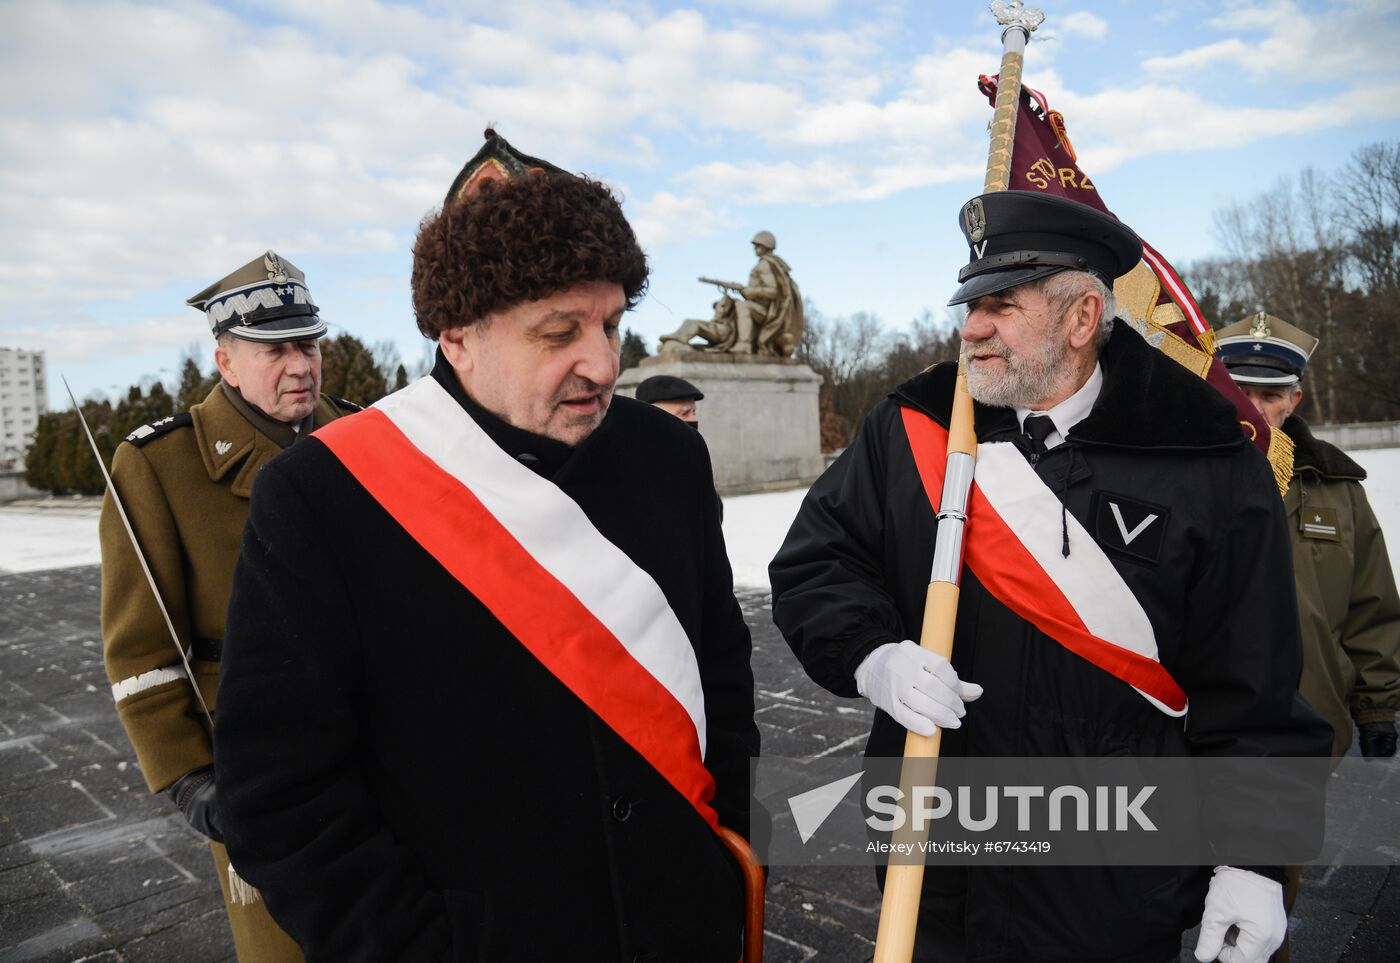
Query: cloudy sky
(148,148)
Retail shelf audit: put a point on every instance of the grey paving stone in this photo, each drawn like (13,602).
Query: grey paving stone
(48,925)
(73,939)
(93,867)
(1376,938)
(202,937)
(22,883)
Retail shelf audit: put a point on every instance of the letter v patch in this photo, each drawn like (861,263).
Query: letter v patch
(1130,527)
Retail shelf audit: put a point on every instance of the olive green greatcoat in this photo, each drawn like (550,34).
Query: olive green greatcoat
(1346,592)
(185,483)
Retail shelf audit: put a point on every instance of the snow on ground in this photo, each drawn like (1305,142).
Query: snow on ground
(1383,491)
(57,534)
(754,529)
(48,534)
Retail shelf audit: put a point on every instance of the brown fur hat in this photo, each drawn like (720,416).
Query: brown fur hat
(519,239)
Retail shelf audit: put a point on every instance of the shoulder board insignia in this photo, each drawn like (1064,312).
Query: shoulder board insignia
(155,429)
(347,405)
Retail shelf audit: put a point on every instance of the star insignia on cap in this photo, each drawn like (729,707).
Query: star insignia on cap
(1258,347)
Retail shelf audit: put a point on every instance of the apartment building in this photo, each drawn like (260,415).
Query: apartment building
(23,388)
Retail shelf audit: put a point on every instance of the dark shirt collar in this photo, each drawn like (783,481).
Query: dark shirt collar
(542,455)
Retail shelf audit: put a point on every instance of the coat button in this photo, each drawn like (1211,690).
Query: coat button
(621,809)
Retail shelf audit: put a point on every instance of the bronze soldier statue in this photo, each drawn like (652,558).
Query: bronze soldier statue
(761,317)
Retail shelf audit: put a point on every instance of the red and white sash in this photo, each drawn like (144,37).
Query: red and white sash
(1013,545)
(526,550)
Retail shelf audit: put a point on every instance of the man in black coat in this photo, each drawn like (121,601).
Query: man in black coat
(1127,479)
(486,690)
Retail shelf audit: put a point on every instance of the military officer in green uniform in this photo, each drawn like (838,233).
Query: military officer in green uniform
(1347,602)
(1346,592)
(185,482)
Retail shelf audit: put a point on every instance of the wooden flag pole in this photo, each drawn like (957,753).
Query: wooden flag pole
(899,910)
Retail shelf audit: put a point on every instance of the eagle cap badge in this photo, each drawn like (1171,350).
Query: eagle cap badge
(975,220)
(275,271)
(1260,329)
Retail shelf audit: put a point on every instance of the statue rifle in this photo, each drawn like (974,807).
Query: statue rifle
(726,285)
(899,910)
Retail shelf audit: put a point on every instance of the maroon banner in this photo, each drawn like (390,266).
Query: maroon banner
(1043,159)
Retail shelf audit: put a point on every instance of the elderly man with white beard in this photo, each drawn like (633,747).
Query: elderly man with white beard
(1127,482)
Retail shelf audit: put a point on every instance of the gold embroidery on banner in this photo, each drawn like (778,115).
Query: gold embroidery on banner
(1280,455)
(1183,353)
(1043,173)
(1167,314)
(1207,340)
(1137,293)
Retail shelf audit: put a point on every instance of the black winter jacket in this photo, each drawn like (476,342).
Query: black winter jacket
(403,780)
(1215,581)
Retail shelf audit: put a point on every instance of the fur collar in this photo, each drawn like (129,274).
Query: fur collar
(1311,453)
(1147,401)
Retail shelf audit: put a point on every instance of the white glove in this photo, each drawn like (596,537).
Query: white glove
(1252,902)
(918,688)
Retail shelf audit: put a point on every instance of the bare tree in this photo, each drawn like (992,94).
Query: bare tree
(1368,198)
(1287,255)
(848,353)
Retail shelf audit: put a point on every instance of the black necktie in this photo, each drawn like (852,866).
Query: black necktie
(1036,430)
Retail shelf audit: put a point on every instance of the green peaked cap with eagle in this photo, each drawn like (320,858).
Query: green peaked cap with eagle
(265,300)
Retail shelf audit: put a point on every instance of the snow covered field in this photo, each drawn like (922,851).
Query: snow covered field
(61,534)
(65,535)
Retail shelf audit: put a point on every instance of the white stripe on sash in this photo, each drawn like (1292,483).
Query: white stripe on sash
(554,530)
(1088,579)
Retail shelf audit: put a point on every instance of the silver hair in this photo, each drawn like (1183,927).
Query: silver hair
(1063,288)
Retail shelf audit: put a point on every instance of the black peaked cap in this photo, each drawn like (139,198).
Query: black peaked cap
(1019,236)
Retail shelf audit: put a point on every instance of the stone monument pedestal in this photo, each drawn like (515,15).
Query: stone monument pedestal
(759,417)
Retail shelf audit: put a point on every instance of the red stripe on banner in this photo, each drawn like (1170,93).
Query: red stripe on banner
(1010,572)
(1176,287)
(455,528)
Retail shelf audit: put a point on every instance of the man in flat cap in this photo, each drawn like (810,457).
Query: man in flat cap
(1346,591)
(672,394)
(185,482)
(487,690)
(1093,450)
